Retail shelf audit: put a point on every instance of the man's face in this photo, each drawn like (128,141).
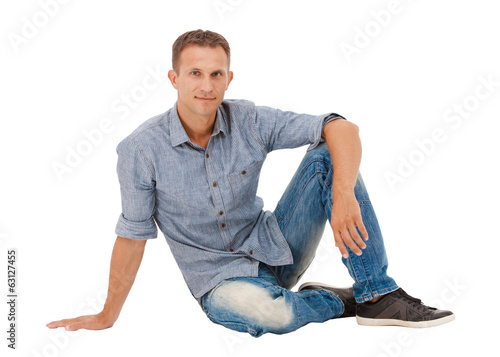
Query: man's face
(201,80)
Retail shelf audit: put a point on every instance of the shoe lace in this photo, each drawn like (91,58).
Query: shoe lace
(417,303)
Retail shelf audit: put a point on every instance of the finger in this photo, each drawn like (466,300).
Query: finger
(58,323)
(362,229)
(339,243)
(68,324)
(356,236)
(346,237)
(73,327)
(77,323)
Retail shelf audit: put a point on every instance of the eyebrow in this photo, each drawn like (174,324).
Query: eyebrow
(199,70)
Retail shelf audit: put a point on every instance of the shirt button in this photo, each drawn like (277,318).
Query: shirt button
(221,213)
(208,156)
(222,225)
(251,252)
(243,172)
(231,249)
(215,184)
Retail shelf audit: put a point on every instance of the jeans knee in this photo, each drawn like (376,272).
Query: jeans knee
(260,309)
(320,157)
(320,152)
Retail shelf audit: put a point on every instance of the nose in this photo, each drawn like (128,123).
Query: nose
(207,85)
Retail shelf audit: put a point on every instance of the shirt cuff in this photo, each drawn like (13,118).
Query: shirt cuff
(136,230)
(330,118)
(319,132)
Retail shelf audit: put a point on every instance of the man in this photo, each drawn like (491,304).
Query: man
(193,172)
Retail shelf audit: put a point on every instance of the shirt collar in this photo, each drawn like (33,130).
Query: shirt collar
(178,134)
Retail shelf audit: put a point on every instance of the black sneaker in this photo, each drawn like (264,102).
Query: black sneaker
(345,294)
(400,309)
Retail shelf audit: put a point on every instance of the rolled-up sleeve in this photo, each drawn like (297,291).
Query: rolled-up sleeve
(278,129)
(137,187)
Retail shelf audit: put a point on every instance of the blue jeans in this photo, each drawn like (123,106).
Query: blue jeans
(262,304)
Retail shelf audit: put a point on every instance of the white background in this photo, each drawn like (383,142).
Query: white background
(426,59)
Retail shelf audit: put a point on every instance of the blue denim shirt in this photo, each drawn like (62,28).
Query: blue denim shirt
(204,200)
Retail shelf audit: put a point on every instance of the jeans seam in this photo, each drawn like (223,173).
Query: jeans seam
(209,298)
(296,309)
(338,299)
(354,271)
(222,322)
(277,211)
(364,271)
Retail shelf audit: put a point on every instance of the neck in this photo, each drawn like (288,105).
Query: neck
(199,128)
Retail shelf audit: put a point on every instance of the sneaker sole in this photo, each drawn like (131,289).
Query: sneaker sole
(393,322)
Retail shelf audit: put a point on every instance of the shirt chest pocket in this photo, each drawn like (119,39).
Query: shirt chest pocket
(244,183)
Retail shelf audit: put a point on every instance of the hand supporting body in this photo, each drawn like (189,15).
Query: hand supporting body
(125,261)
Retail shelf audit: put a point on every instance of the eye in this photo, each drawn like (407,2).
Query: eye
(195,73)
(216,74)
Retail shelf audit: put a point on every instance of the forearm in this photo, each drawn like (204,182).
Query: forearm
(125,261)
(344,145)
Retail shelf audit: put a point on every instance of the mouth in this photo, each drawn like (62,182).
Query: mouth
(205,99)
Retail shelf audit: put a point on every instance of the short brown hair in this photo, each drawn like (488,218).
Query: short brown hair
(200,38)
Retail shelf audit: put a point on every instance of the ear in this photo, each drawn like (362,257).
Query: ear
(172,75)
(229,78)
